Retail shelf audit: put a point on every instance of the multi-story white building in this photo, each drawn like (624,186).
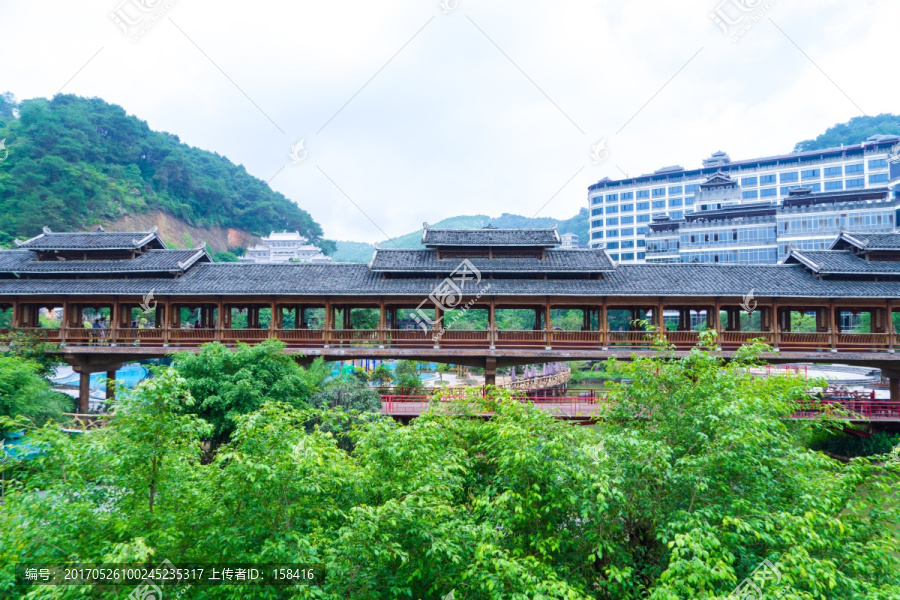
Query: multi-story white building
(284,247)
(622,210)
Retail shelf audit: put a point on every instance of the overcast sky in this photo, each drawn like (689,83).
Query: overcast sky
(414,111)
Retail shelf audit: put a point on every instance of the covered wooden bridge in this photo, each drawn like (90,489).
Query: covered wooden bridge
(486,298)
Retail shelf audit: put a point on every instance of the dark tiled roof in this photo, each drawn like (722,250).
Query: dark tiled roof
(841,262)
(654,280)
(869,241)
(556,261)
(93,240)
(490,237)
(23,261)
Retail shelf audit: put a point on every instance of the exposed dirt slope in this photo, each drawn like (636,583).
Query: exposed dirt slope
(178,234)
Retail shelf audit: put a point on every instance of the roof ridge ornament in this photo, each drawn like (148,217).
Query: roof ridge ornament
(99,229)
(154,229)
(46,229)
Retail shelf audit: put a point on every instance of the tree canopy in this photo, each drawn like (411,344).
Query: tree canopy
(74,162)
(692,478)
(854,131)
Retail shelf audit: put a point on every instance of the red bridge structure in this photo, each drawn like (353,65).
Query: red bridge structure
(586,406)
(110,297)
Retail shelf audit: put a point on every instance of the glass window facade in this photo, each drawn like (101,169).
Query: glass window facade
(789,176)
(853,169)
(750,194)
(643,193)
(766,179)
(675,202)
(878,178)
(659,204)
(748,181)
(643,206)
(878,163)
(627,208)
(834,185)
(834,171)
(768,192)
(596,211)
(659,192)
(855,183)
(809,174)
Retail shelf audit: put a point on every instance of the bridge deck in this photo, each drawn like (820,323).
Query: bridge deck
(580,408)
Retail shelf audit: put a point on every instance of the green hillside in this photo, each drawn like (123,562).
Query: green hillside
(74,162)
(360,252)
(853,131)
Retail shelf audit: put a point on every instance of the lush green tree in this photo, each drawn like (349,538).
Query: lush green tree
(691,478)
(74,162)
(25,393)
(32,346)
(229,382)
(381,374)
(854,131)
(224,256)
(348,395)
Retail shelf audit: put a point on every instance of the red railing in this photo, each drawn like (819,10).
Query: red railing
(588,404)
(854,410)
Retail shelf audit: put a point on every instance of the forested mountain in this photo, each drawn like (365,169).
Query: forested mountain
(853,131)
(360,252)
(75,162)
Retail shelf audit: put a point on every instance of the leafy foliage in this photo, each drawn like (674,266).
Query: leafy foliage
(74,162)
(853,131)
(24,392)
(692,477)
(226,383)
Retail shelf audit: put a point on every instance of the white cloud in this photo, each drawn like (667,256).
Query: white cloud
(451,126)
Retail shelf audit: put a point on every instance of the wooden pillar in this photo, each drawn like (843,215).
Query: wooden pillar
(548,326)
(220,319)
(717,317)
(537,320)
(894,386)
(299,316)
(660,319)
(382,324)
(892,333)
(776,325)
(833,326)
(326,334)
(603,326)
(492,324)
(84,391)
(110,386)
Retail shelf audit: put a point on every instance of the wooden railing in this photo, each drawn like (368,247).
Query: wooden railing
(683,339)
(862,341)
(193,336)
(575,339)
(791,340)
(301,337)
(241,335)
(522,338)
(630,339)
(465,338)
(453,338)
(410,338)
(730,340)
(140,337)
(354,337)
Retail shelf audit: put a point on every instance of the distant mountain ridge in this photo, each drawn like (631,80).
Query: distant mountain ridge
(362,252)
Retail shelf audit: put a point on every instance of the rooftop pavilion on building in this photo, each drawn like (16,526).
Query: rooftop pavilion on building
(402,303)
(622,210)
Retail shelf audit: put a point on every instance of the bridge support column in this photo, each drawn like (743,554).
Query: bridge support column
(84,392)
(490,371)
(84,366)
